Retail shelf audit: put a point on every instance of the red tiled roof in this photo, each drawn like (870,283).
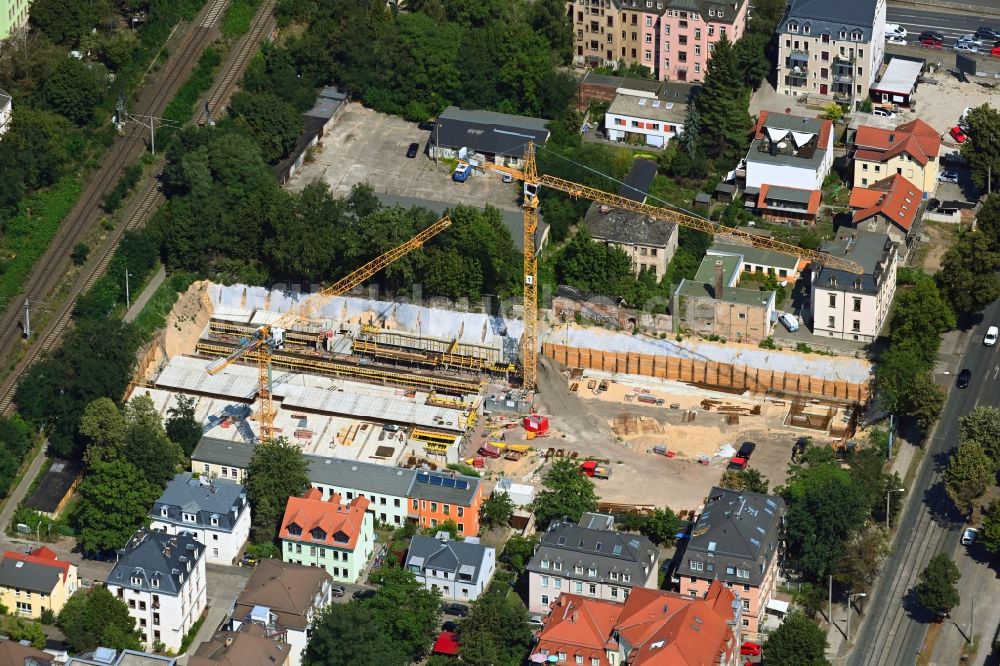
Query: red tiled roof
(42,556)
(332,517)
(825,128)
(446,643)
(915,138)
(897,199)
(579,625)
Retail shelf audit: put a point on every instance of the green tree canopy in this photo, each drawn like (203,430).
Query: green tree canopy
(105,429)
(968,277)
(114,500)
(747,479)
(66,22)
(968,475)
(181,425)
(97,619)
(594,267)
(989,533)
(276,472)
(722,105)
(518,551)
(567,493)
(406,610)
(859,565)
(798,641)
(73,92)
(982,150)
(662,525)
(936,590)
(349,634)
(982,425)
(496,632)
(23,629)
(272,122)
(496,510)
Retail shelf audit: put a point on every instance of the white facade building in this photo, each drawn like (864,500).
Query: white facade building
(216,512)
(161,578)
(459,570)
(6,111)
(644,114)
(790,151)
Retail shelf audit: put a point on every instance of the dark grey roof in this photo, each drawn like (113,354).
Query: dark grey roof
(488,132)
(362,476)
(29,575)
(223,452)
(623,226)
(54,486)
(5,98)
(779,193)
(785,151)
(167,560)
(638,180)
(737,530)
(221,499)
(107,657)
(611,81)
(831,17)
(870,249)
(730,10)
(446,555)
(595,548)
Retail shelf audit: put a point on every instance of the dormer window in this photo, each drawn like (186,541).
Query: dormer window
(294,529)
(318,534)
(163,511)
(188,517)
(805,29)
(136,580)
(591,571)
(793,27)
(843,34)
(856,35)
(720,13)
(545,564)
(341,537)
(215,519)
(578,569)
(155,582)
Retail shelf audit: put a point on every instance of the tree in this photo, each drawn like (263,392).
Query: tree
(968,278)
(987,219)
(518,551)
(936,590)
(568,493)
(968,475)
(747,479)
(21,629)
(449,527)
(924,400)
(662,525)
(114,501)
(798,641)
(64,22)
(406,610)
(348,634)
(181,426)
(982,150)
(982,425)
(72,91)
(550,21)
(147,445)
(825,509)
(722,105)
(276,472)
(496,632)
(106,430)
(989,532)
(97,619)
(273,123)
(594,267)
(859,566)
(496,510)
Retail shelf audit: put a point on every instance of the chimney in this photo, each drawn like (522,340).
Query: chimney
(229,641)
(719,274)
(773,147)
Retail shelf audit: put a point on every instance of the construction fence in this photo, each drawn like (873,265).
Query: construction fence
(709,374)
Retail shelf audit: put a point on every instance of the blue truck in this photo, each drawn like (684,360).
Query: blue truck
(462,172)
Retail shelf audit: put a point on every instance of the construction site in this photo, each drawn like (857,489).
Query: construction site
(653,421)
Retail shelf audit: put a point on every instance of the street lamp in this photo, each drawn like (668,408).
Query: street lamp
(887,496)
(850,599)
(128,298)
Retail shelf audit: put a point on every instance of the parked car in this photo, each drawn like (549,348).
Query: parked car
(964,377)
(363,594)
(948,177)
(742,457)
(971,39)
(427,125)
(893,39)
(932,35)
(969,535)
(458,610)
(883,113)
(966,47)
(953,157)
(750,648)
(338,591)
(895,30)
(535,622)
(930,43)
(789,322)
(995,51)
(957,134)
(412,151)
(991,336)
(985,32)
(248,561)
(507,178)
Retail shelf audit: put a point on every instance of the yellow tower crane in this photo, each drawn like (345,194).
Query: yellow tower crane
(269,337)
(532,182)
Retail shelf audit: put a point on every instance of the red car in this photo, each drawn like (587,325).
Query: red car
(931,44)
(750,648)
(957,134)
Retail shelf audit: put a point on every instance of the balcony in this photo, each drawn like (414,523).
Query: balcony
(846,59)
(799,55)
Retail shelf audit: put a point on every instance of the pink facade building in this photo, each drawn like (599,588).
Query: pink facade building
(688,32)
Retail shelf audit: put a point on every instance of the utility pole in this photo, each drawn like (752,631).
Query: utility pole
(27,319)
(830,601)
(850,599)
(892,432)
(128,300)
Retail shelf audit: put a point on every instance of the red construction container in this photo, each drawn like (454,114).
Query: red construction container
(536,424)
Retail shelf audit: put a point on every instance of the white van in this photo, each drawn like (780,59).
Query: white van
(790,322)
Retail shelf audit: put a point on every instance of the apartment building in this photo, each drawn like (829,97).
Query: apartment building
(849,306)
(673,39)
(334,535)
(13,15)
(6,111)
(36,581)
(889,206)
(910,150)
(831,48)
(735,541)
(161,578)
(216,511)
(459,570)
(239,648)
(396,495)
(591,559)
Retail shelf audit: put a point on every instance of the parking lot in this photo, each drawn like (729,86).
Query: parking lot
(369,147)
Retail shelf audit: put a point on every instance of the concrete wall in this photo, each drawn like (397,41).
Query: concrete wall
(725,376)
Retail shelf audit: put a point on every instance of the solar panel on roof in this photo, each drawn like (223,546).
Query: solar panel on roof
(448,483)
(461,485)
(423,478)
(436,480)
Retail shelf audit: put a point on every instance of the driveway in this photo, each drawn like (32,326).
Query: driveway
(370,147)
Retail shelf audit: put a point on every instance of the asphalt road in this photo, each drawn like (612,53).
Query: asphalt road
(950,24)
(894,629)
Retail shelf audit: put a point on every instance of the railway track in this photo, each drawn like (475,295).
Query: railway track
(224,86)
(49,270)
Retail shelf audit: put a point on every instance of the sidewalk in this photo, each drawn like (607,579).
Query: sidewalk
(145,295)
